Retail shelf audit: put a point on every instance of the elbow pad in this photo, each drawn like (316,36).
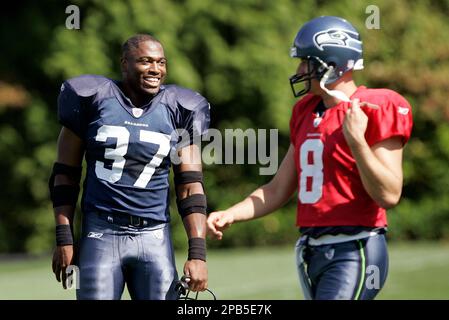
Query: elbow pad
(66,194)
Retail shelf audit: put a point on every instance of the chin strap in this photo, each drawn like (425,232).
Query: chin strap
(334,93)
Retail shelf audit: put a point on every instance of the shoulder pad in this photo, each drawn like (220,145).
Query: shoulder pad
(186,98)
(87,85)
(383,97)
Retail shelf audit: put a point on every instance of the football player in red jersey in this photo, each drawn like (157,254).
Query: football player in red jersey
(346,149)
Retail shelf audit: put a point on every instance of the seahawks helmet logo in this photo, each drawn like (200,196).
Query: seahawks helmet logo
(337,38)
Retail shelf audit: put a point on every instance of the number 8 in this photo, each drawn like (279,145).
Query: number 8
(313,170)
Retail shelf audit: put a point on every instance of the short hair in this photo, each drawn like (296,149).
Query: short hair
(133,42)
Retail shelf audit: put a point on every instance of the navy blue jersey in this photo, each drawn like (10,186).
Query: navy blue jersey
(127,148)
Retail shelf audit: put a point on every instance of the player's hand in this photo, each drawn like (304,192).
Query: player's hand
(196,271)
(356,122)
(62,258)
(217,222)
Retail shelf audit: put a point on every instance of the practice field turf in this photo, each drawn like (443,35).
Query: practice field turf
(417,271)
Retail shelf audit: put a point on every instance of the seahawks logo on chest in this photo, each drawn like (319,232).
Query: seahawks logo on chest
(317,121)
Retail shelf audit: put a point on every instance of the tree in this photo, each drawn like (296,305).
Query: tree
(236,53)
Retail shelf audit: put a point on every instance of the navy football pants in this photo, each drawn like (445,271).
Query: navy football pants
(111,255)
(353,270)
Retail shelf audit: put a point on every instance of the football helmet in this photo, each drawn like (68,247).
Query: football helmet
(326,43)
(183,291)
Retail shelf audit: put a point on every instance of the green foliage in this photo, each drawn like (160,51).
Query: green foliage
(236,54)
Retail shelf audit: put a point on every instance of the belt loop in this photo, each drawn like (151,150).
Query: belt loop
(135,221)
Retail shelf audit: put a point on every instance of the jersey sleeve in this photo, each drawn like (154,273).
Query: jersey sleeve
(195,120)
(70,111)
(392,119)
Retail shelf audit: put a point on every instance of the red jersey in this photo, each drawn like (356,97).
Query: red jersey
(331,192)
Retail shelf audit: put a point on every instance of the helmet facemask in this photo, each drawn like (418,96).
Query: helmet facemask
(321,71)
(316,69)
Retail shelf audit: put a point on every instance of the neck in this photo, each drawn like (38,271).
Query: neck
(347,86)
(138,100)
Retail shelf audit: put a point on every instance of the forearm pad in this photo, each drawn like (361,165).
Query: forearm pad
(195,203)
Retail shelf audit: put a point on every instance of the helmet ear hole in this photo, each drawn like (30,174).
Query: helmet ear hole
(321,69)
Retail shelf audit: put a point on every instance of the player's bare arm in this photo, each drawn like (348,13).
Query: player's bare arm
(380,166)
(190,197)
(261,202)
(69,153)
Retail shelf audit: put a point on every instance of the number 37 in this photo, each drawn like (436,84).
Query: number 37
(117,154)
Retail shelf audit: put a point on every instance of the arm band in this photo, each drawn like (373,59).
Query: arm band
(197,249)
(184,177)
(195,203)
(64,235)
(66,194)
(72,172)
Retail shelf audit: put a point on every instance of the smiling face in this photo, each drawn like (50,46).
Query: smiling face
(144,68)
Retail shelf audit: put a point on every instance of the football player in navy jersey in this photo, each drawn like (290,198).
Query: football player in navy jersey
(126,131)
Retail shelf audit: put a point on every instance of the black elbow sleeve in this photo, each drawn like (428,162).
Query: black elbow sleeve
(66,194)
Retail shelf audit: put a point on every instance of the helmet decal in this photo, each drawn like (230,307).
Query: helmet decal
(337,38)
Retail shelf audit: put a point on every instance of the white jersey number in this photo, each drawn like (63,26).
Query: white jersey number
(117,154)
(313,170)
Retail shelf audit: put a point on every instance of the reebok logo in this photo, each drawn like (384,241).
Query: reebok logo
(158,234)
(95,235)
(403,110)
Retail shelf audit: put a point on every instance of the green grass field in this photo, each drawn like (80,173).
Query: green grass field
(417,271)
